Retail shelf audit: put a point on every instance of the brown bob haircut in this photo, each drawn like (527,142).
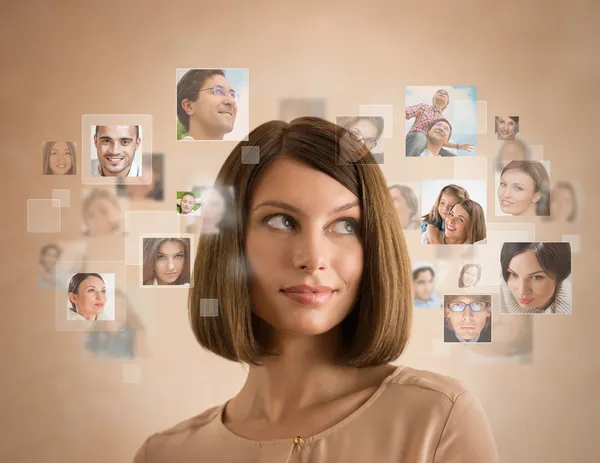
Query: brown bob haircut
(554,258)
(151,248)
(541,182)
(188,87)
(377,327)
(477,230)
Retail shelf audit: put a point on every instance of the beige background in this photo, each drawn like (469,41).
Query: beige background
(536,59)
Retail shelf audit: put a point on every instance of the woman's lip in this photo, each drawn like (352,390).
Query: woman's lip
(310,298)
(505,203)
(525,301)
(99,305)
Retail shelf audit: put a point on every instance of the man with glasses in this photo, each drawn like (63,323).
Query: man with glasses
(467,318)
(438,134)
(365,129)
(423,284)
(206,104)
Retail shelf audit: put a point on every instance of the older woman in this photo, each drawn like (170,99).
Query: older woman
(465,224)
(314,291)
(524,189)
(534,278)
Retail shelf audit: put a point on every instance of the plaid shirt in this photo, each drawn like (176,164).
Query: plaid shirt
(424,114)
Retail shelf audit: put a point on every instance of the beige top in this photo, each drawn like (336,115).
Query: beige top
(415,417)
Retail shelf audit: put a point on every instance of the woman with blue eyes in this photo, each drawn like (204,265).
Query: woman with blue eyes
(535,278)
(166,261)
(524,189)
(87,297)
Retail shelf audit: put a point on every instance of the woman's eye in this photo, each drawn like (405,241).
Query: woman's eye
(53,153)
(502,184)
(518,188)
(179,256)
(348,227)
(279,221)
(538,277)
(160,257)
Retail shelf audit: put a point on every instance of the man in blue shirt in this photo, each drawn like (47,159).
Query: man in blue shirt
(423,283)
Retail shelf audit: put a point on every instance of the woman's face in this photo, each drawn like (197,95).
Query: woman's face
(457,223)
(103,217)
(61,158)
(170,261)
(187,204)
(90,297)
(447,202)
(562,204)
(506,128)
(467,324)
(516,193)
(302,229)
(511,152)
(213,209)
(470,276)
(527,281)
(404,212)
(49,258)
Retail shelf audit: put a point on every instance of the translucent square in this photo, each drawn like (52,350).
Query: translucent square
(63,195)
(482,117)
(132,373)
(382,110)
(146,222)
(250,154)
(43,215)
(209,307)
(575,241)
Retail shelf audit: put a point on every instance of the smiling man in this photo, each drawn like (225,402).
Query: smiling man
(206,104)
(116,146)
(438,134)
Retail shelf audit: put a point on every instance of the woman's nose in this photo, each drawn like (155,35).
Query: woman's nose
(309,254)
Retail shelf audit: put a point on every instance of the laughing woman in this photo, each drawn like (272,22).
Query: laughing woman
(465,224)
(314,290)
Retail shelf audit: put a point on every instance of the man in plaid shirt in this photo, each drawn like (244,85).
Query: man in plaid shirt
(424,115)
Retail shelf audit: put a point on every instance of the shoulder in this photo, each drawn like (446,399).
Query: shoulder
(427,384)
(171,441)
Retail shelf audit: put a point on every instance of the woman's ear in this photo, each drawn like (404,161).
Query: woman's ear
(73,299)
(536,197)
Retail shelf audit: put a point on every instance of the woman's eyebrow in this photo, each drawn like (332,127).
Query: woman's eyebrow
(289,207)
(533,273)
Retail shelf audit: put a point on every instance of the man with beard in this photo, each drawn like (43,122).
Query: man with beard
(438,134)
(116,146)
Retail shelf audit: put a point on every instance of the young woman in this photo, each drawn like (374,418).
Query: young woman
(468,318)
(507,127)
(524,189)
(407,206)
(314,290)
(87,297)
(465,224)
(434,222)
(60,158)
(563,205)
(535,278)
(102,214)
(166,261)
(470,275)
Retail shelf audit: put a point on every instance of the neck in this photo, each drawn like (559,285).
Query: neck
(453,240)
(531,210)
(201,132)
(434,149)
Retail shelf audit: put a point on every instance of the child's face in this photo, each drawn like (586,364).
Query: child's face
(447,202)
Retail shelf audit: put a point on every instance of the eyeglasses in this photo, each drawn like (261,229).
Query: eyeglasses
(474,306)
(356,135)
(222,91)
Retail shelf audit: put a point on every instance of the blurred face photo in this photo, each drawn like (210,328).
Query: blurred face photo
(506,128)
(457,223)
(447,202)
(170,261)
(562,204)
(90,298)
(116,146)
(511,151)
(187,204)
(439,133)
(213,210)
(49,258)
(471,276)
(365,131)
(404,212)
(463,319)
(61,158)
(516,193)
(423,286)
(303,248)
(215,113)
(527,281)
(103,217)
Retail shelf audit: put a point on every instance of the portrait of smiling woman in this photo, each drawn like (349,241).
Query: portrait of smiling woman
(524,189)
(535,278)
(314,289)
(60,158)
